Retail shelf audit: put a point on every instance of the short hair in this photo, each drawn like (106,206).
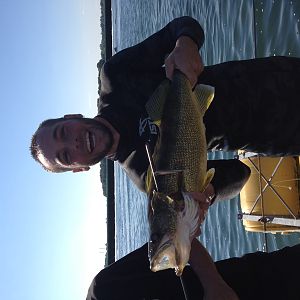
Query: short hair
(35,149)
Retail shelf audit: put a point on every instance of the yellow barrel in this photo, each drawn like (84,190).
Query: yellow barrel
(284,182)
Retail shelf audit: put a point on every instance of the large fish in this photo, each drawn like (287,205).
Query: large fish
(180,164)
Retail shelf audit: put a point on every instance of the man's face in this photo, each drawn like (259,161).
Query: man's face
(73,143)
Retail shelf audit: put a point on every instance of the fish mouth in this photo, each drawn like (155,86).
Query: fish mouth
(164,257)
(169,256)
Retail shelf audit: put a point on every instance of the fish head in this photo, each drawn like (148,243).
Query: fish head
(172,230)
(162,221)
(171,254)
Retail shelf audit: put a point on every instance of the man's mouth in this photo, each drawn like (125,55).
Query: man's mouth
(90,141)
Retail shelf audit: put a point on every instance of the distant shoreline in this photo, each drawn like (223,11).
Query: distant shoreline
(107,166)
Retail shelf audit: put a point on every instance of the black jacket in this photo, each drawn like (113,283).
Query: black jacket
(256,275)
(256,102)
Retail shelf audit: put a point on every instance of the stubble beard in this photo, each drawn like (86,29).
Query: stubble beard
(110,141)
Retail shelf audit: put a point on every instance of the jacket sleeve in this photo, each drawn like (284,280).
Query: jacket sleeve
(129,66)
(230,177)
(131,278)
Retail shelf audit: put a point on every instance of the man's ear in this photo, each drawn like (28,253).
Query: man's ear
(80,169)
(73,116)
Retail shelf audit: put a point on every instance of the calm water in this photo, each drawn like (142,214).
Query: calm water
(234,30)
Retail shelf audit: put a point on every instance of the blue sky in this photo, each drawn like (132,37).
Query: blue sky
(52,226)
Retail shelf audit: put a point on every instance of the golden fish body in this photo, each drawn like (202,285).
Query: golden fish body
(180,162)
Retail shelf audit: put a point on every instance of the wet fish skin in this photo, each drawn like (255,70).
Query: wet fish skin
(171,229)
(180,158)
(182,144)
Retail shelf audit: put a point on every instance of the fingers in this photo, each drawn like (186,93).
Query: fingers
(191,71)
(188,60)
(170,66)
(203,206)
(197,233)
(201,198)
(202,214)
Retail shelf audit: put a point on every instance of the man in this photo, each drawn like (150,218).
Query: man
(237,118)
(255,106)
(254,276)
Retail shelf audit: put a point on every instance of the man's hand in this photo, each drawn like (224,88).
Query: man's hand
(204,201)
(215,288)
(186,58)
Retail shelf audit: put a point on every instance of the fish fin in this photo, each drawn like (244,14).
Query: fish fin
(157,196)
(148,181)
(209,176)
(155,104)
(169,200)
(190,214)
(204,95)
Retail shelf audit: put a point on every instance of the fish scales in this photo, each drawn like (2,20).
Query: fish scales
(182,144)
(180,162)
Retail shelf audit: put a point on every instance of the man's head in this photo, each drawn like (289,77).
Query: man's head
(71,143)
